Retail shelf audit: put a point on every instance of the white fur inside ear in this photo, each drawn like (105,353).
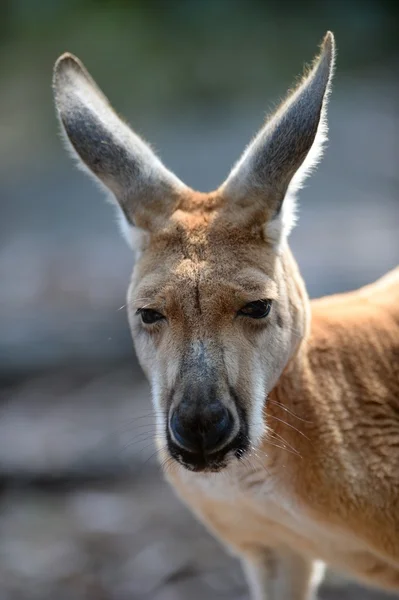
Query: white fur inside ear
(136,237)
(278,229)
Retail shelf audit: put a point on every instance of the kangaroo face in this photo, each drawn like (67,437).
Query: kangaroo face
(216,306)
(214,321)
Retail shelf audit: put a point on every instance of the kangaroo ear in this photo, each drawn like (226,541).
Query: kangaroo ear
(285,150)
(145,190)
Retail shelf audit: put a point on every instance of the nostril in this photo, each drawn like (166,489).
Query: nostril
(181,435)
(218,431)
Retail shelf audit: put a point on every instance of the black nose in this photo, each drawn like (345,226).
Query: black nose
(201,433)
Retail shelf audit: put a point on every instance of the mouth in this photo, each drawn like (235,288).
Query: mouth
(209,463)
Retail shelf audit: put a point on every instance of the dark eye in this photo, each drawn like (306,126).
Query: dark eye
(256,310)
(149,316)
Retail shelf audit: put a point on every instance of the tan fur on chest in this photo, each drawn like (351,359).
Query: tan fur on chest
(268,513)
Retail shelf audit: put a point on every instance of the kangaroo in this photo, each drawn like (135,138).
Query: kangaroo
(277,417)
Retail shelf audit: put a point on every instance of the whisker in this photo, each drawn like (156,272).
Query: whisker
(267,455)
(133,428)
(144,299)
(151,413)
(289,425)
(290,412)
(139,441)
(145,305)
(151,457)
(142,436)
(167,464)
(254,453)
(284,448)
(284,441)
(149,416)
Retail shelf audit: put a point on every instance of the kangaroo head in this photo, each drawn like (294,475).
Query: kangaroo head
(216,305)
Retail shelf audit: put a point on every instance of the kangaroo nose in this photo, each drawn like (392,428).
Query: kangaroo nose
(202,434)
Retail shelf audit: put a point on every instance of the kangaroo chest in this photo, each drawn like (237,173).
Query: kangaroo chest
(257,511)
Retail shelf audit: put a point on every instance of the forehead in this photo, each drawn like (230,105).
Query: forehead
(196,254)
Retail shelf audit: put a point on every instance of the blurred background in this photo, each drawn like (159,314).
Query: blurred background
(84,511)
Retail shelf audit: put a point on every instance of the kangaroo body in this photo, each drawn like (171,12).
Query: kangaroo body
(323,485)
(277,419)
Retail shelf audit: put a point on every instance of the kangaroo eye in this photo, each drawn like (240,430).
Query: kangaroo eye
(256,310)
(149,316)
